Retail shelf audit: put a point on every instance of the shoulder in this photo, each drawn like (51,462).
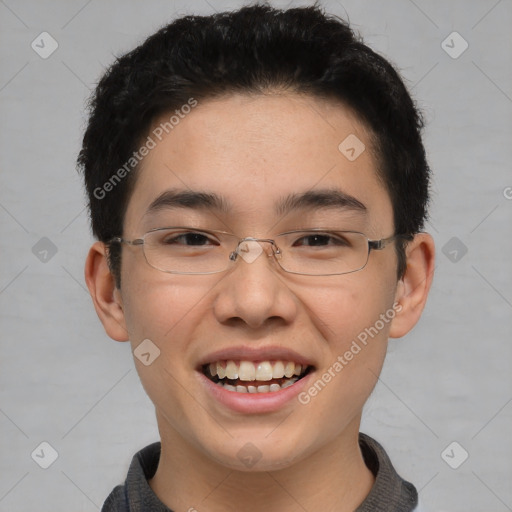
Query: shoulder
(116,501)
(136,494)
(390,492)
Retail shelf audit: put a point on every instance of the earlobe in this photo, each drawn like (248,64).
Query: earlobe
(105,297)
(412,289)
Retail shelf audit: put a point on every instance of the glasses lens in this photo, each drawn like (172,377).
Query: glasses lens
(323,252)
(315,252)
(186,251)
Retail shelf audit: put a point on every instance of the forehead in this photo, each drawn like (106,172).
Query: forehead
(257,154)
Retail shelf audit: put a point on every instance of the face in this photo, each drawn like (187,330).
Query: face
(253,152)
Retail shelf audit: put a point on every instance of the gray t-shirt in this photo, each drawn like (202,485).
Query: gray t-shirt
(390,493)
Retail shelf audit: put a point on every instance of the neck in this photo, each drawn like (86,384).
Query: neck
(333,478)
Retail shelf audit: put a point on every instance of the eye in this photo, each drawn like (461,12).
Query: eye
(188,239)
(321,240)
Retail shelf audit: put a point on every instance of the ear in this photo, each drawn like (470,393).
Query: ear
(413,287)
(105,296)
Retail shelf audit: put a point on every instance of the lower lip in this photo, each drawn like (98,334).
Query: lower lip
(254,403)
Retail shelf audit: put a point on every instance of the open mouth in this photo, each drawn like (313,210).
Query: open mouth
(255,377)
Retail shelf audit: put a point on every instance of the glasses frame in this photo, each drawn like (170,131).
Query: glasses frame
(373,245)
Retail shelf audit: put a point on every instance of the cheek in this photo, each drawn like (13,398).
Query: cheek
(350,307)
(157,305)
(152,312)
(164,311)
(350,319)
(354,318)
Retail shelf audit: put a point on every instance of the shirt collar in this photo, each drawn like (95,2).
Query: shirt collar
(390,493)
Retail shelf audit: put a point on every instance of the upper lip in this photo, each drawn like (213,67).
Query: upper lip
(248,353)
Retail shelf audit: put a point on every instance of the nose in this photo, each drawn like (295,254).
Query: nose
(255,292)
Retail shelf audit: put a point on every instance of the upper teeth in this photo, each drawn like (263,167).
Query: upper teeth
(248,371)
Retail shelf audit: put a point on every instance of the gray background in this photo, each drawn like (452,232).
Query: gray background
(63,381)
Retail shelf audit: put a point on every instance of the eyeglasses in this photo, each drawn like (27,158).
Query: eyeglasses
(312,252)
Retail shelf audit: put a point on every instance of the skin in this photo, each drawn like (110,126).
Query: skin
(253,150)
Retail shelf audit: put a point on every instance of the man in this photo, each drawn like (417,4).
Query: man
(258,186)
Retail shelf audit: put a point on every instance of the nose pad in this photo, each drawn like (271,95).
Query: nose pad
(249,249)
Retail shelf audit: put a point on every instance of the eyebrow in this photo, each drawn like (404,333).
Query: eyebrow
(174,198)
(324,199)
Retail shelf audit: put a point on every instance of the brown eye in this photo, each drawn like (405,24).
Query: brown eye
(194,239)
(321,240)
